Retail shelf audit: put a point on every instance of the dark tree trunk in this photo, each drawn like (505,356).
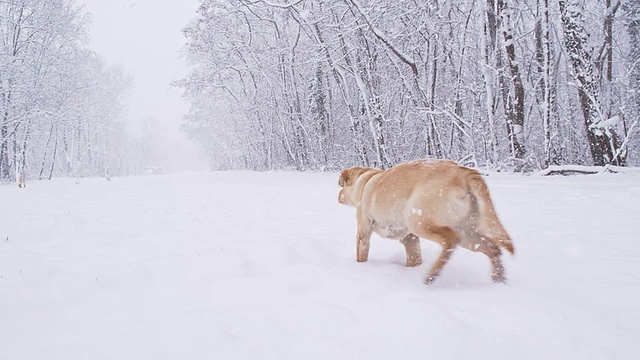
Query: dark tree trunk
(600,143)
(514,104)
(546,91)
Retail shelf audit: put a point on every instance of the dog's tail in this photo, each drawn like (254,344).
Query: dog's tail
(488,222)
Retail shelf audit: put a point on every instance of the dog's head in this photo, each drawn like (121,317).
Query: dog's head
(347,181)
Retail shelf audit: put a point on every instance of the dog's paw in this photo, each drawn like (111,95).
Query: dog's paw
(413,263)
(499,279)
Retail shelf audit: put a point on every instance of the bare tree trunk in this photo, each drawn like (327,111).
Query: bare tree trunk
(606,66)
(606,56)
(319,113)
(600,142)
(364,95)
(5,167)
(341,82)
(632,9)
(434,146)
(21,160)
(546,94)
(53,159)
(46,149)
(488,48)
(514,102)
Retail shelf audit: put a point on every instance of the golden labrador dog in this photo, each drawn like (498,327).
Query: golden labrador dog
(433,199)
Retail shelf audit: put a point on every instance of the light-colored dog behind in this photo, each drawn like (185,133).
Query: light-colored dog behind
(433,199)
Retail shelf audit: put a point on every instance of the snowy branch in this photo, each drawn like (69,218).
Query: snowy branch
(403,57)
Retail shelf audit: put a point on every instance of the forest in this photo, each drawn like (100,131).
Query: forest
(515,85)
(60,102)
(506,85)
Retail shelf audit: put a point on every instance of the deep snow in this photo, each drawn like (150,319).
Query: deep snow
(242,265)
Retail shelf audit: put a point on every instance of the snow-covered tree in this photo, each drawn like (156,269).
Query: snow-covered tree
(323,84)
(58,101)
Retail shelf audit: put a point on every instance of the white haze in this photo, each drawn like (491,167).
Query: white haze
(145,38)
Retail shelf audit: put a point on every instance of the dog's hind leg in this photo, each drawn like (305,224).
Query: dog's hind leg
(479,243)
(412,247)
(448,239)
(492,250)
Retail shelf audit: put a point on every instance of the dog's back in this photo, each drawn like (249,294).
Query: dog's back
(434,192)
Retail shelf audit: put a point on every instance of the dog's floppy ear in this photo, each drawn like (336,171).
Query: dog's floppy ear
(348,176)
(344,178)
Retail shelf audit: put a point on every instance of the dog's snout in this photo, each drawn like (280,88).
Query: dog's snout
(341,197)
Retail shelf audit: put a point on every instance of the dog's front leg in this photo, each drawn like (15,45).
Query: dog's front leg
(412,247)
(363,237)
(363,246)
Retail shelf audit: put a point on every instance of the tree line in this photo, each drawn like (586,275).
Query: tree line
(502,84)
(59,102)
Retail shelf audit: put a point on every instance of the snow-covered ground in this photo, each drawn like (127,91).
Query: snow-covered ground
(241,265)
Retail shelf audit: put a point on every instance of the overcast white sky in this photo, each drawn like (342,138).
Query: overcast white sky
(144,36)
